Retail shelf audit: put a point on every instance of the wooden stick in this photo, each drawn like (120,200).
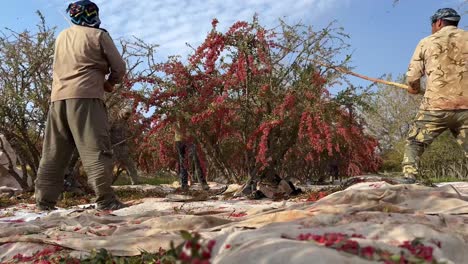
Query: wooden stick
(69,23)
(346,71)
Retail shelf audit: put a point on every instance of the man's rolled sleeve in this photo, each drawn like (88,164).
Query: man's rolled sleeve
(117,64)
(416,68)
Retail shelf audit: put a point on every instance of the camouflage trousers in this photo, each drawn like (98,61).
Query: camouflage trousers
(428,125)
(123,158)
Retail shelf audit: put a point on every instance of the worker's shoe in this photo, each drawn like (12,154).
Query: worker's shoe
(43,207)
(184,188)
(205,186)
(111,206)
(409,178)
(135,181)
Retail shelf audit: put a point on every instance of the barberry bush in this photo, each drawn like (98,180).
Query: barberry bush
(256,102)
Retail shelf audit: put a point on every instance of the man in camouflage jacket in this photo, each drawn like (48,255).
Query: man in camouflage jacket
(119,139)
(442,59)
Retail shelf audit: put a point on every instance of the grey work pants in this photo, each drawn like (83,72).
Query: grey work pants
(80,123)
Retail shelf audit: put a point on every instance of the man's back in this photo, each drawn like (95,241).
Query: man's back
(443,57)
(83,56)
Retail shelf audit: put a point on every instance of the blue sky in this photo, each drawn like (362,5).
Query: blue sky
(383,36)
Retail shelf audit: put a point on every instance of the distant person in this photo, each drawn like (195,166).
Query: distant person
(84,55)
(183,145)
(442,58)
(120,137)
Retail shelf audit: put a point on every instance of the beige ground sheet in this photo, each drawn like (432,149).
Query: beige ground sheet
(260,231)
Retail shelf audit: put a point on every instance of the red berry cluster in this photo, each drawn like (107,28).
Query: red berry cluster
(195,250)
(416,251)
(44,256)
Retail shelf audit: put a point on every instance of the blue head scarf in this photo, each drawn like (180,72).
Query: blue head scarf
(446,14)
(84,13)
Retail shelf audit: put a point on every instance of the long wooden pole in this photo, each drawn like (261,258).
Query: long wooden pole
(346,71)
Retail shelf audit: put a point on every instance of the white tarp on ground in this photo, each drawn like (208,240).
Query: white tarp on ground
(382,215)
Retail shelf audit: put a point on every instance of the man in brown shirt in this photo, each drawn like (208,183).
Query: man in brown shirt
(442,59)
(84,55)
